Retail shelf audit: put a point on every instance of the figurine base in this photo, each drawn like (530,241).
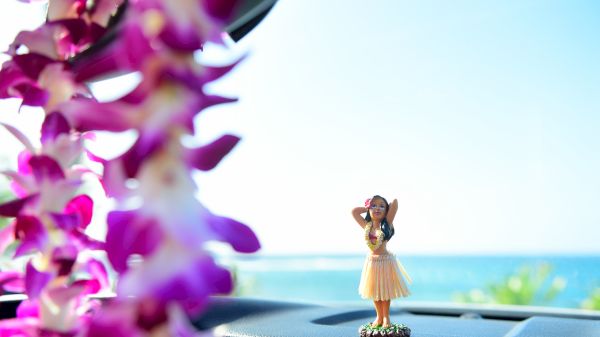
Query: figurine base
(396,330)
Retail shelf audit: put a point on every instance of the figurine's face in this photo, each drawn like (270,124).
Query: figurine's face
(378,209)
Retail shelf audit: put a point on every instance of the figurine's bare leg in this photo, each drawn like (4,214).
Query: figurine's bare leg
(379,310)
(385,306)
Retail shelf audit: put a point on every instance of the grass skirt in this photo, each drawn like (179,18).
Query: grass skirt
(383,278)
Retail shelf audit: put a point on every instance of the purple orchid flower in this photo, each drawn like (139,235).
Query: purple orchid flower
(100,13)
(12,281)
(55,313)
(171,93)
(175,275)
(32,234)
(55,305)
(41,76)
(38,81)
(49,175)
(171,109)
(185,25)
(48,183)
(154,28)
(15,83)
(170,213)
(168,192)
(142,317)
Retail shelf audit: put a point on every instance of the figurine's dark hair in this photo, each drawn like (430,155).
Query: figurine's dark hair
(388,231)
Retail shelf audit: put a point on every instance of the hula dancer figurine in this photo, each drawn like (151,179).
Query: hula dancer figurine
(383,277)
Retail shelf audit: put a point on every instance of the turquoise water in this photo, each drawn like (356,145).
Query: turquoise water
(329,278)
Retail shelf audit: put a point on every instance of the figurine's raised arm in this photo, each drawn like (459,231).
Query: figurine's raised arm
(391,214)
(356,213)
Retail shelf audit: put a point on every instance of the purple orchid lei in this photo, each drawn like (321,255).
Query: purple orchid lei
(167,227)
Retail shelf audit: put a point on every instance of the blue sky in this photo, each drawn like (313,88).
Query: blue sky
(481,117)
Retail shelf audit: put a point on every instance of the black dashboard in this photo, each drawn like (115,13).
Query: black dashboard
(255,317)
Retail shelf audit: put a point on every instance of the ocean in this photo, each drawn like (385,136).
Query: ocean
(335,278)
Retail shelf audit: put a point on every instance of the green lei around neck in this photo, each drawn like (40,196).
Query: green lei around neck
(378,233)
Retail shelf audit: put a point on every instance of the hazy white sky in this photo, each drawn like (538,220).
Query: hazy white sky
(481,117)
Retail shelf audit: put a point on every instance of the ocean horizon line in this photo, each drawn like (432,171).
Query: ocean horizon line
(418,254)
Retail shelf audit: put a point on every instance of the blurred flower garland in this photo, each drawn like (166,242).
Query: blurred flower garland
(50,67)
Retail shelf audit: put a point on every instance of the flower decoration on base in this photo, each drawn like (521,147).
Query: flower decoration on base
(395,330)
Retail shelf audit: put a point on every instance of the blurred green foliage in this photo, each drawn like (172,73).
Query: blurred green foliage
(6,252)
(242,286)
(5,195)
(592,302)
(530,285)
